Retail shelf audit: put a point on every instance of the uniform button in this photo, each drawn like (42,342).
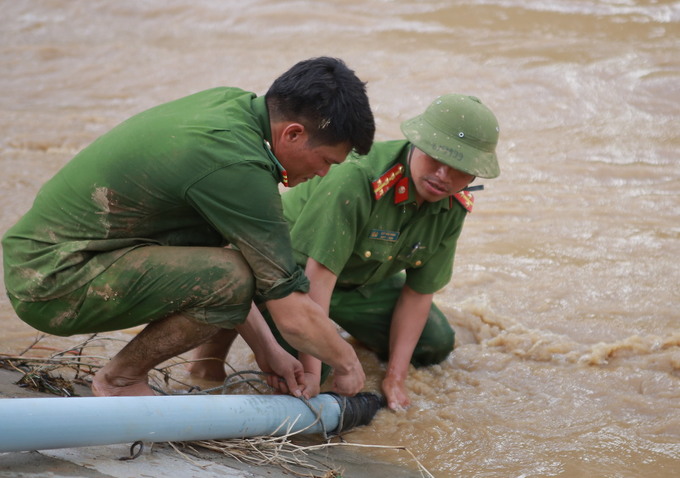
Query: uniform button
(418,263)
(389,258)
(401,190)
(367,254)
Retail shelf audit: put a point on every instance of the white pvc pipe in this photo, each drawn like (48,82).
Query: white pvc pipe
(47,423)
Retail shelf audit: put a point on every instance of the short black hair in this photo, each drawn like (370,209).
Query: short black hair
(326,97)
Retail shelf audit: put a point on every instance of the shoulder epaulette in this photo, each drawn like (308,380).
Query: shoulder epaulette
(387,180)
(465,198)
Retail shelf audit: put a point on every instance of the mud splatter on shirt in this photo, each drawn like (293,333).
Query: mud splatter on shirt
(192,172)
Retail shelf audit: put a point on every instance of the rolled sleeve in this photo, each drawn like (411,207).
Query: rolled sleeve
(437,270)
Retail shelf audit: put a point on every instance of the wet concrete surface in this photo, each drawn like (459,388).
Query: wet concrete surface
(162,460)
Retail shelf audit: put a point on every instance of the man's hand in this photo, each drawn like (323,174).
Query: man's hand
(312,385)
(395,393)
(285,372)
(304,325)
(351,382)
(408,320)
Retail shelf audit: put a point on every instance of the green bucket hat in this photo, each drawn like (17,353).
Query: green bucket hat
(459,131)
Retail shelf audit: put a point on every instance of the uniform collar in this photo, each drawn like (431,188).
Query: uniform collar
(283,174)
(259,106)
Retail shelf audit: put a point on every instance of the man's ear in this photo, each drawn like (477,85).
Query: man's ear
(294,132)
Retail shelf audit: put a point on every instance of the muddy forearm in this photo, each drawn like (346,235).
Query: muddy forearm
(304,325)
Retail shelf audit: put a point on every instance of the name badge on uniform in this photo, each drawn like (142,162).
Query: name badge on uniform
(381,235)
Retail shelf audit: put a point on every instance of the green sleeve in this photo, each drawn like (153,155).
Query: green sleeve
(438,269)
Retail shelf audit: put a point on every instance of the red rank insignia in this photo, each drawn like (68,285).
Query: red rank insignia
(465,198)
(387,180)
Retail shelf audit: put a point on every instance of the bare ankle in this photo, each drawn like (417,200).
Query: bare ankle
(106,385)
(208,370)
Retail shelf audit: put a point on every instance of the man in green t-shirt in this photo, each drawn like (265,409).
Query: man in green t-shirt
(174,219)
(378,236)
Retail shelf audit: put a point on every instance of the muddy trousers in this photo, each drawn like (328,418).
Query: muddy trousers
(366,314)
(210,285)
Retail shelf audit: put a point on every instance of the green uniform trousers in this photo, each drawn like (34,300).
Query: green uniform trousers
(366,314)
(211,285)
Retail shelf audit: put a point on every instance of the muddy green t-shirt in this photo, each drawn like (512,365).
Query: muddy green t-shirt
(192,172)
(338,221)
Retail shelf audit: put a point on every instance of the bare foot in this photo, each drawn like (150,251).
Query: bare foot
(208,370)
(104,385)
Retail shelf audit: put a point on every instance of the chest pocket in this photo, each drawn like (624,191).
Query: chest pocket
(401,253)
(413,255)
(378,246)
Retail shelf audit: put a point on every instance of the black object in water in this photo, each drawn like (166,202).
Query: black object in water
(357,410)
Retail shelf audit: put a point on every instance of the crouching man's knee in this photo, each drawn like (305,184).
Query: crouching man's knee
(434,348)
(225,298)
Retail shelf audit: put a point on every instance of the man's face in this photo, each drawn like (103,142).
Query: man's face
(434,180)
(303,162)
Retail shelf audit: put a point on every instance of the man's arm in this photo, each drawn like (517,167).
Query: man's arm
(322,282)
(270,356)
(408,321)
(306,327)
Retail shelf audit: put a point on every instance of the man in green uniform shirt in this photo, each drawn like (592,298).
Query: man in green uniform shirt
(174,219)
(378,235)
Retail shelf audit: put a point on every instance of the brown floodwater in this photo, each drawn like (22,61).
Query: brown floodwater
(566,289)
